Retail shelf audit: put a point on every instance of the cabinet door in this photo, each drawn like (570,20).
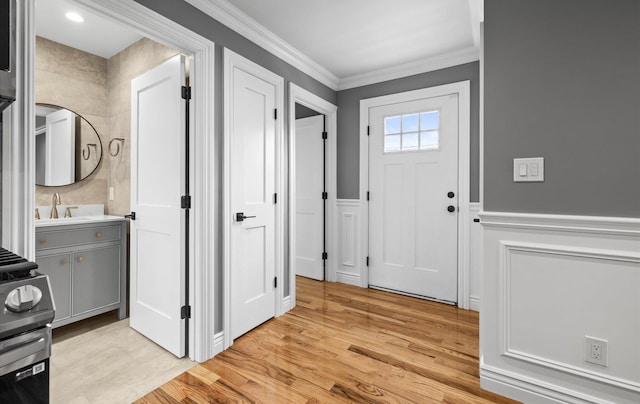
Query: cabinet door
(58,268)
(96,279)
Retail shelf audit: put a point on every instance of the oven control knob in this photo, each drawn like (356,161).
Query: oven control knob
(23,298)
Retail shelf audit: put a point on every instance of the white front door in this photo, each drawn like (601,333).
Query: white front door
(413,182)
(252,151)
(157,278)
(309,176)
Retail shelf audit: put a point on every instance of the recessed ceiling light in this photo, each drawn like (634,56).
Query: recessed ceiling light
(73,16)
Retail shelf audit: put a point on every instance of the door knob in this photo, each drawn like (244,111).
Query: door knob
(131,216)
(450,194)
(240,217)
(451,208)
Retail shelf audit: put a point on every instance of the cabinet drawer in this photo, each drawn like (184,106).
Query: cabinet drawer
(77,236)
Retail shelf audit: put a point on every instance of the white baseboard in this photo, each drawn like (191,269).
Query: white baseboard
(348,278)
(218,343)
(474,303)
(286,304)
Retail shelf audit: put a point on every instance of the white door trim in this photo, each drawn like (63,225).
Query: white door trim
(204,185)
(231,61)
(464,121)
(301,96)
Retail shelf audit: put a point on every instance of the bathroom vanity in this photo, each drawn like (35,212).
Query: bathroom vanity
(85,259)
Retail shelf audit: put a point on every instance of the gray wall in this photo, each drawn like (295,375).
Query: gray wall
(349,121)
(304,112)
(562,81)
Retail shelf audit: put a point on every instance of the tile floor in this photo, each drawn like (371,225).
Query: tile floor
(103,360)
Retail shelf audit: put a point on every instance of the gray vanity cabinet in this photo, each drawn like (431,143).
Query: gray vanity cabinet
(58,267)
(86,265)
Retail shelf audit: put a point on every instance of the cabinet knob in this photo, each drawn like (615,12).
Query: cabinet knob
(98,234)
(43,241)
(80,258)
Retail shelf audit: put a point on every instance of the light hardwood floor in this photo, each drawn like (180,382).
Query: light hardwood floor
(344,344)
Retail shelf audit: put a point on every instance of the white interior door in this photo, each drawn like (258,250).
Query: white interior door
(252,188)
(309,203)
(157,183)
(60,148)
(413,180)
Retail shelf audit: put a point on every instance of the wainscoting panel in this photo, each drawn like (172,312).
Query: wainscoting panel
(550,281)
(349,260)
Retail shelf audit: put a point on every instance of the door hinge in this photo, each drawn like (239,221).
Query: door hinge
(275,198)
(368,130)
(275,282)
(275,113)
(367,195)
(185,312)
(325,195)
(324,135)
(325,255)
(185,201)
(186,93)
(367,260)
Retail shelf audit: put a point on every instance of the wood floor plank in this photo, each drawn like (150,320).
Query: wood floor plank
(343,344)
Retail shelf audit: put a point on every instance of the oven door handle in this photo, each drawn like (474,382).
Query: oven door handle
(23,347)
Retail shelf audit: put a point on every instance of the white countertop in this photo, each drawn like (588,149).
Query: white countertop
(77,220)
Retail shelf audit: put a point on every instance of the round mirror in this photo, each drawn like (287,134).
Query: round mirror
(68,148)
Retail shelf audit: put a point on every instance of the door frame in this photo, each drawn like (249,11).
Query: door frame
(301,96)
(21,231)
(463,90)
(231,61)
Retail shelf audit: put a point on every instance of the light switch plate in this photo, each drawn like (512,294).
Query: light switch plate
(528,169)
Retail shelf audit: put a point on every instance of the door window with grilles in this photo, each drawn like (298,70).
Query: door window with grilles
(411,132)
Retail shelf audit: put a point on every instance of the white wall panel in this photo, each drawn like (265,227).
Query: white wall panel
(350,261)
(548,282)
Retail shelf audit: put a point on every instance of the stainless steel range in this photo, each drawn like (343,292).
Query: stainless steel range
(25,331)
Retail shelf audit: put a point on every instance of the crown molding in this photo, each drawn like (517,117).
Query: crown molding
(467,55)
(229,15)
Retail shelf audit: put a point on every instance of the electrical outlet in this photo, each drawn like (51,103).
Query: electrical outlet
(596,351)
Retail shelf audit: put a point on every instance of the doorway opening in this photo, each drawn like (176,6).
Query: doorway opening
(310,168)
(20,229)
(309,101)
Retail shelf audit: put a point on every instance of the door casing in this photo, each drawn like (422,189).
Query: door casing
(301,96)
(233,60)
(464,127)
(20,233)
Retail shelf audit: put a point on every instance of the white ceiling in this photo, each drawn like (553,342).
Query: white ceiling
(342,43)
(95,35)
(355,37)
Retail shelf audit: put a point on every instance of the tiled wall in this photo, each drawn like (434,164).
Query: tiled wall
(99,90)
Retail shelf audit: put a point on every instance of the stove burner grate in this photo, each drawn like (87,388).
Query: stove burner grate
(13,266)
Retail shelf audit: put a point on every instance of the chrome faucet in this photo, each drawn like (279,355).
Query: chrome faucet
(55,200)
